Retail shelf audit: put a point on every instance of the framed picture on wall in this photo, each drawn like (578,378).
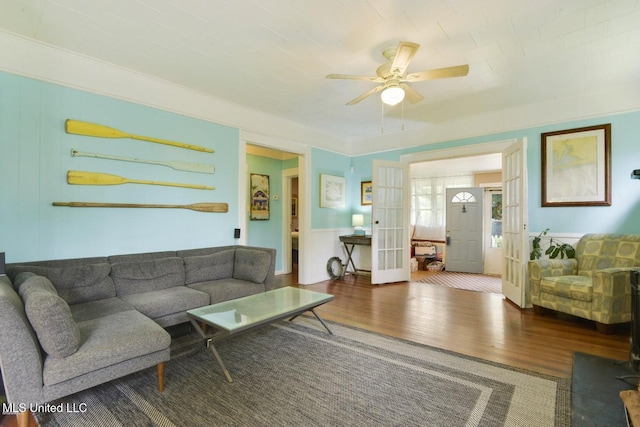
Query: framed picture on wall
(576,167)
(259,196)
(366,193)
(294,207)
(333,192)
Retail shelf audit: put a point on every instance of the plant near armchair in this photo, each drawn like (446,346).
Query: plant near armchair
(554,249)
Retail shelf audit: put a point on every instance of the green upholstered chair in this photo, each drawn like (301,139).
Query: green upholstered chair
(595,285)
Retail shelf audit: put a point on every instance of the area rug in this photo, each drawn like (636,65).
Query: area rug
(467,281)
(296,374)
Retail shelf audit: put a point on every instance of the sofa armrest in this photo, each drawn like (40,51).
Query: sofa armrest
(547,268)
(611,295)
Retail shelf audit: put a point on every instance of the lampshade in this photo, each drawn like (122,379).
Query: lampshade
(357,220)
(392,95)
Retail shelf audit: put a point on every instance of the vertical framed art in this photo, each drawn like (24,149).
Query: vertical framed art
(259,197)
(333,191)
(366,193)
(576,167)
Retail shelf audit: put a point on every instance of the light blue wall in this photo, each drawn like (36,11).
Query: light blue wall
(623,216)
(35,157)
(329,163)
(267,233)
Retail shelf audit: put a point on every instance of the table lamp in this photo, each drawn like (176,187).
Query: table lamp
(357,220)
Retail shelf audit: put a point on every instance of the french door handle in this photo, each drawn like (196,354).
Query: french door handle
(377,222)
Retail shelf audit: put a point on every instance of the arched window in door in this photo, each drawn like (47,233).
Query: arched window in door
(463,197)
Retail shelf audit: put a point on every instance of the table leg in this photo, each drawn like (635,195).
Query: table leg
(209,343)
(349,259)
(220,362)
(321,321)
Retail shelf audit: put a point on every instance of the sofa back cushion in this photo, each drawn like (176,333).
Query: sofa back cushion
(144,276)
(251,264)
(76,283)
(599,251)
(50,317)
(214,266)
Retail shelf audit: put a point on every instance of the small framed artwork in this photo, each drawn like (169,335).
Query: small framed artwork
(259,197)
(294,207)
(576,167)
(332,191)
(366,193)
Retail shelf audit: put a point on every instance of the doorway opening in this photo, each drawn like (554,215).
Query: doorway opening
(430,181)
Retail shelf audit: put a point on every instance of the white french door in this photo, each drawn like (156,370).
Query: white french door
(390,222)
(514,222)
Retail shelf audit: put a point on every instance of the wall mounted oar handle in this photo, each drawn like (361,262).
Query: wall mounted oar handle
(200,207)
(97,178)
(91,129)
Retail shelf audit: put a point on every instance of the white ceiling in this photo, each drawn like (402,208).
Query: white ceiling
(273,55)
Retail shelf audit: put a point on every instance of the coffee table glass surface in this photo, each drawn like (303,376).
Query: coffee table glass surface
(248,312)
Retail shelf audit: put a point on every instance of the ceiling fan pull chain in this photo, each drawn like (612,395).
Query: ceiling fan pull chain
(402,108)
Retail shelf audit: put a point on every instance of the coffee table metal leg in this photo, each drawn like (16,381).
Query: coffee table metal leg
(321,321)
(220,362)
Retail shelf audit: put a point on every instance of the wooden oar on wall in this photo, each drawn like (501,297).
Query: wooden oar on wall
(91,129)
(175,164)
(96,178)
(200,207)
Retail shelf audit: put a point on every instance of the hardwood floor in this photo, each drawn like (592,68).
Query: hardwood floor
(476,324)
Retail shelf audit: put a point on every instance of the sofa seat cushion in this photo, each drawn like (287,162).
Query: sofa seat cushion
(227,289)
(94,309)
(106,341)
(76,283)
(214,266)
(167,301)
(251,264)
(50,317)
(134,277)
(573,287)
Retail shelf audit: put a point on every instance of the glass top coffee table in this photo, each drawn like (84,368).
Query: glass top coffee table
(247,313)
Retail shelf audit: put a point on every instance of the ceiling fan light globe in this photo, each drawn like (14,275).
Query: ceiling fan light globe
(392,95)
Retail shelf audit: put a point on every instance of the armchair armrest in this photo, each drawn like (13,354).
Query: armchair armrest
(546,268)
(612,295)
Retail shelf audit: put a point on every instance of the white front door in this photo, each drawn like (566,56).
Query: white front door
(390,222)
(514,223)
(464,229)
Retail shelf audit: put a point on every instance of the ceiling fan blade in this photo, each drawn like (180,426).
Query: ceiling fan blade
(438,73)
(366,94)
(411,95)
(353,77)
(404,55)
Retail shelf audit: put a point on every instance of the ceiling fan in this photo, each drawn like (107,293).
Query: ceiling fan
(393,77)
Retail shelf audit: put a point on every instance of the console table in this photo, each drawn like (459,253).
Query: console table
(350,242)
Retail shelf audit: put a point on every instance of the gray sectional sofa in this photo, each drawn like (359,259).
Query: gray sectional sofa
(68,325)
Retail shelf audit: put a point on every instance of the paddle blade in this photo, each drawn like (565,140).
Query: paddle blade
(90,129)
(94,178)
(209,207)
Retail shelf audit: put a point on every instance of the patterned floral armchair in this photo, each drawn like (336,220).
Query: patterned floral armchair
(595,285)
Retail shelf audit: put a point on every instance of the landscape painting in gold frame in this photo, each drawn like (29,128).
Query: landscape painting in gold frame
(576,167)
(366,193)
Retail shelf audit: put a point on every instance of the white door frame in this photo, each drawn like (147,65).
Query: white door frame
(287,177)
(304,191)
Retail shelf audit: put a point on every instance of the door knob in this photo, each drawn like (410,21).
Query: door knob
(377,222)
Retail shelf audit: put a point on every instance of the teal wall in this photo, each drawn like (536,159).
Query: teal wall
(623,216)
(267,233)
(35,157)
(329,163)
